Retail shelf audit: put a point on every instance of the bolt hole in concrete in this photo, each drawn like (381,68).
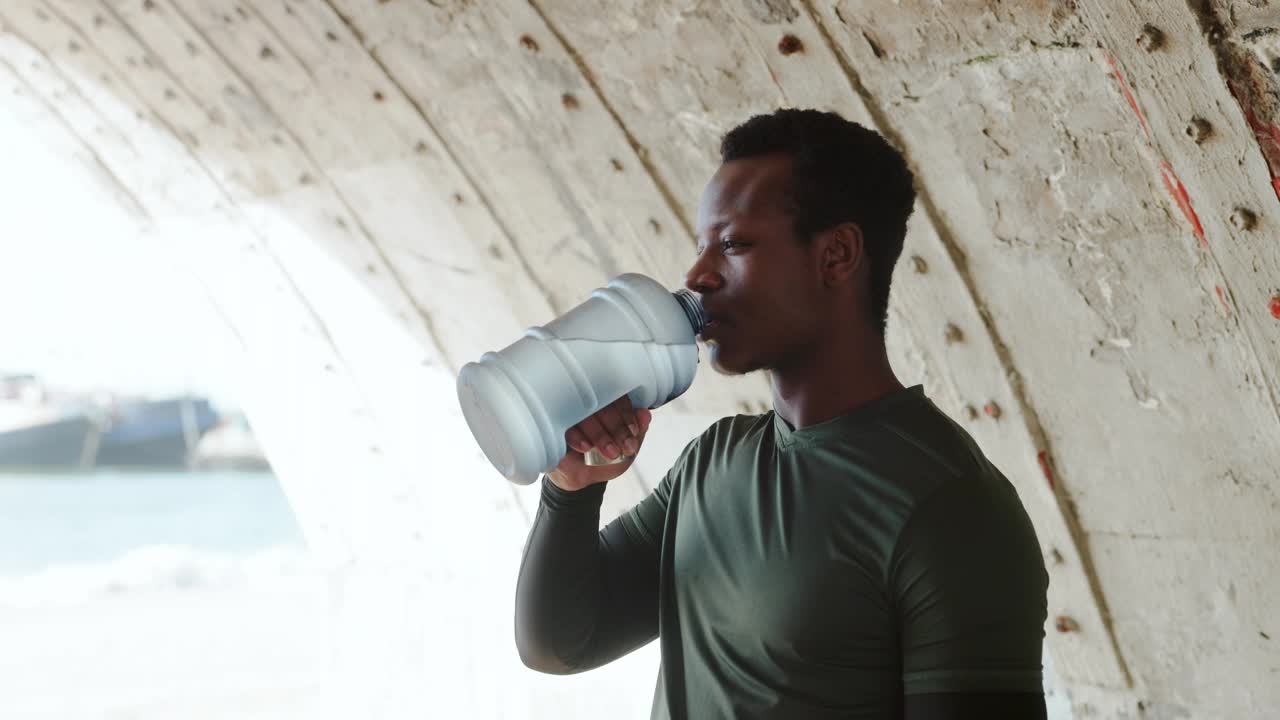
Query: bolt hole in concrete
(1199,130)
(953,334)
(1244,219)
(790,45)
(1150,38)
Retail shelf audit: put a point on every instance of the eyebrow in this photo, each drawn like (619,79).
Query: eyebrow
(713,229)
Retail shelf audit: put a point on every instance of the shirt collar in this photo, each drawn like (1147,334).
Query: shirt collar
(843,424)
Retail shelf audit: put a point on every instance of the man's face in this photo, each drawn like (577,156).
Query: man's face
(759,284)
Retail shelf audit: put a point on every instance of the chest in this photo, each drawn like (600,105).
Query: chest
(783,555)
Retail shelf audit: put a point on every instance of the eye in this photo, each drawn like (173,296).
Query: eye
(727,243)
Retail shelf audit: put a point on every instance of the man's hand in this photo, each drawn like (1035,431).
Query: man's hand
(616,430)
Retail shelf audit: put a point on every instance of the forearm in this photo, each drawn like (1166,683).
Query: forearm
(583,597)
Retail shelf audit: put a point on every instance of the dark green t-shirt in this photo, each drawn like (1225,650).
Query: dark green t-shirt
(829,571)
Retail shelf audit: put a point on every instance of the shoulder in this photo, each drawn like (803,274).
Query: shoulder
(936,456)
(717,446)
(736,429)
(731,433)
(971,533)
(954,493)
(927,436)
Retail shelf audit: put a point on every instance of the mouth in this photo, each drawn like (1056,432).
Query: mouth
(709,328)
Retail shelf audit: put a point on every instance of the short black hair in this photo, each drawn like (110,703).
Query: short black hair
(841,172)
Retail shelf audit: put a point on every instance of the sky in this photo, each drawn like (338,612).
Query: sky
(84,299)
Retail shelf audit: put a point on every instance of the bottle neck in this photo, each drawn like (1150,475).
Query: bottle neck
(692,306)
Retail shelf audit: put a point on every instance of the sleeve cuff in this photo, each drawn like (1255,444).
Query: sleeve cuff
(587,499)
(941,681)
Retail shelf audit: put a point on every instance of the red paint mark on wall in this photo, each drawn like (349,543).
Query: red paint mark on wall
(1128,93)
(1179,193)
(1223,298)
(1275,307)
(1267,134)
(1170,179)
(1043,458)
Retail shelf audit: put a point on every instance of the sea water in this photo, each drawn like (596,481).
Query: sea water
(154,596)
(157,595)
(86,520)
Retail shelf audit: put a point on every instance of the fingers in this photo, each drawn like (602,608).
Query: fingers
(577,440)
(598,435)
(614,430)
(628,414)
(592,431)
(618,437)
(604,430)
(626,431)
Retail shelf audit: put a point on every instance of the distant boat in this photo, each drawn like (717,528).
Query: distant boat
(47,429)
(62,442)
(231,445)
(155,433)
(40,429)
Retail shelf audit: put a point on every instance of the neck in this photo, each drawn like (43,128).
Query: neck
(837,376)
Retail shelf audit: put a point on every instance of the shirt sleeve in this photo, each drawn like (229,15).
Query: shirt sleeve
(969,585)
(585,598)
(645,522)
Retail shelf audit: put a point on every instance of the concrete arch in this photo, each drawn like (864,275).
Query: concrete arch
(1087,286)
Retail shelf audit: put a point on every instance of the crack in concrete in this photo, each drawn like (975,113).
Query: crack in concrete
(640,152)
(133,204)
(280,39)
(1017,389)
(1233,65)
(428,322)
(131,200)
(468,178)
(754,48)
(211,177)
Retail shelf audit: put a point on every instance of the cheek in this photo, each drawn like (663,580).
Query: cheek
(795,312)
(775,290)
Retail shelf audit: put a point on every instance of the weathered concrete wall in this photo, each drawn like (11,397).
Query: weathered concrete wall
(1091,284)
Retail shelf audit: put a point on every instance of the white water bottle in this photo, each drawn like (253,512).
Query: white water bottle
(633,337)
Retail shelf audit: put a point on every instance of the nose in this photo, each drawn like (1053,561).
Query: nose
(703,277)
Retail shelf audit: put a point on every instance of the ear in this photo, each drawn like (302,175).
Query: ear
(841,253)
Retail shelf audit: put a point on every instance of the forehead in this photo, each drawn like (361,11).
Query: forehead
(749,187)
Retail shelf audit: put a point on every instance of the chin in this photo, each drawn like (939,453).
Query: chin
(725,363)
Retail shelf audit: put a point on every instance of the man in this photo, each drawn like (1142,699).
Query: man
(851,554)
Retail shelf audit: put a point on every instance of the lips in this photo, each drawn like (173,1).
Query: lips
(710,328)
